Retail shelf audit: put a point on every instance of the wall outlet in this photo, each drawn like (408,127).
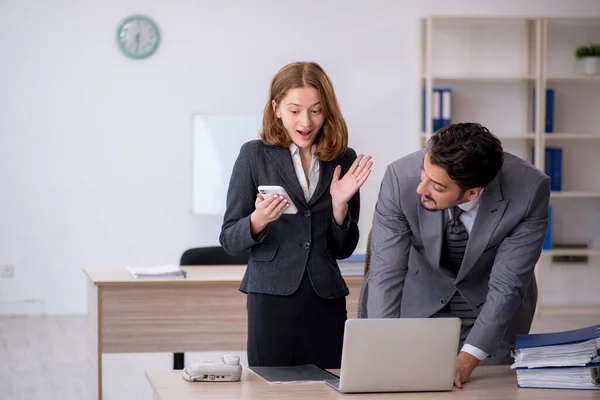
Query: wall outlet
(7,271)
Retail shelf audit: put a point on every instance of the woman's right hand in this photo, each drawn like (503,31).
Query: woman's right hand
(267,210)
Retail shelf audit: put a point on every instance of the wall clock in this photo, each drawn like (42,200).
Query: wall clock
(138,36)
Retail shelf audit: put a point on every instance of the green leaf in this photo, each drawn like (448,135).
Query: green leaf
(592,50)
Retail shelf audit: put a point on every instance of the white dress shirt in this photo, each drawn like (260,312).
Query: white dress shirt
(308,188)
(468,218)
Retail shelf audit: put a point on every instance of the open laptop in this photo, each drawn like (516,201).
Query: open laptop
(398,355)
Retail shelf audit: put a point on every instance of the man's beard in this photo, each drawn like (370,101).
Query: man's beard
(459,200)
(428,209)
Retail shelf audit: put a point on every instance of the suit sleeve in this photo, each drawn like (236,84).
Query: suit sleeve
(512,272)
(236,237)
(391,239)
(345,237)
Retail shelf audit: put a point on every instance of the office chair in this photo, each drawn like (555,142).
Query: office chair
(364,291)
(212,255)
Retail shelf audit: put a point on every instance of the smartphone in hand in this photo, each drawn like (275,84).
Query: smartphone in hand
(267,190)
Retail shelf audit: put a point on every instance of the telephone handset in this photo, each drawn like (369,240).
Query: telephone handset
(229,370)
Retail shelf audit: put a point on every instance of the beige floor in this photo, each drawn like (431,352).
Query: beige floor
(44,358)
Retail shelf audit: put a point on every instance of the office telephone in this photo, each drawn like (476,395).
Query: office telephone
(228,370)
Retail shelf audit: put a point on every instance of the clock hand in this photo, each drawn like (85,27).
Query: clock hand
(137,36)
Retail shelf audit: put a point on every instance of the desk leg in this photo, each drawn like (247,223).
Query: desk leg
(99,364)
(95,338)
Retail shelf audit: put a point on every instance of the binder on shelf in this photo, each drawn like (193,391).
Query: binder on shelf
(549,110)
(436,111)
(553,167)
(446,107)
(549,114)
(548,240)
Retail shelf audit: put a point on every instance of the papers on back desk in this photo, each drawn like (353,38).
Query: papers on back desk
(156,271)
(573,354)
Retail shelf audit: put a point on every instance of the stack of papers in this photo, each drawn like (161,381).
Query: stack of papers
(587,377)
(573,354)
(157,271)
(559,360)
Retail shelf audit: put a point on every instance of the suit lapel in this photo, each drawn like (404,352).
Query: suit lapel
(431,224)
(282,161)
(325,176)
(491,210)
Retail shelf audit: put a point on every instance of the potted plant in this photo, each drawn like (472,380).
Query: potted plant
(590,54)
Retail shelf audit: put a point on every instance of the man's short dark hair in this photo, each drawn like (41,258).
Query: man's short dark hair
(470,154)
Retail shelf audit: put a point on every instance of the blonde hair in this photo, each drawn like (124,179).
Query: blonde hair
(332,141)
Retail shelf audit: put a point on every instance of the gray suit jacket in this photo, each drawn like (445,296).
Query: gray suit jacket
(497,276)
(309,239)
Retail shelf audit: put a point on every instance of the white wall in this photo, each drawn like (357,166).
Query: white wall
(95,149)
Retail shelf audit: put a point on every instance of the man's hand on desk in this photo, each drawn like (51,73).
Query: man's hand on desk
(465,364)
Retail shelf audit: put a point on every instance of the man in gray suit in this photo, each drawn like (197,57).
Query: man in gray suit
(457,231)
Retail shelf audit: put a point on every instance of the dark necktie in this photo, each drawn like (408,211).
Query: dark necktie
(455,241)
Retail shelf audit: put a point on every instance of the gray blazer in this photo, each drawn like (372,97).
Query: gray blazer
(309,239)
(497,276)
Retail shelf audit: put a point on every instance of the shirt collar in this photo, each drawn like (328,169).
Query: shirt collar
(295,149)
(468,206)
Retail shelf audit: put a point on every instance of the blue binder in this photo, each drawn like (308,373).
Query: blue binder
(436,111)
(557,338)
(446,114)
(549,110)
(548,241)
(559,377)
(549,115)
(553,167)
(590,365)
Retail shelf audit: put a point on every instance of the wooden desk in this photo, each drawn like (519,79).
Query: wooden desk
(204,312)
(487,383)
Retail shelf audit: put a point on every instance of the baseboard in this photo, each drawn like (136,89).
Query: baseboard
(569,309)
(22,308)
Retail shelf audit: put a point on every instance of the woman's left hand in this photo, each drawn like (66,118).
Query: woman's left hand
(342,190)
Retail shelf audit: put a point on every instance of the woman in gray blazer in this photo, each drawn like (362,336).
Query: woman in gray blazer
(296,295)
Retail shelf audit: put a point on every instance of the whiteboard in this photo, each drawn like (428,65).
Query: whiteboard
(217,140)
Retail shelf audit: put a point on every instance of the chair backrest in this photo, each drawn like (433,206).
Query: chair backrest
(364,291)
(212,255)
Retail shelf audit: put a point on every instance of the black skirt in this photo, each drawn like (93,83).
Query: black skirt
(298,329)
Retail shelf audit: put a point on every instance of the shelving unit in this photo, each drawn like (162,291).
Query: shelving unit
(498,70)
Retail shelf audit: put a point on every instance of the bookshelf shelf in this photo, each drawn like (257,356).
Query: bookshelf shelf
(519,77)
(574,195)
(502,136)
(575,78)
(500,78)
(574,252)
(509,136)
(572,136)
